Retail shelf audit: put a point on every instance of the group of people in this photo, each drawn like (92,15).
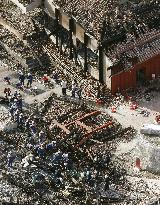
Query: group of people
(22,78)
(20,85)
(75,90)
(14,100)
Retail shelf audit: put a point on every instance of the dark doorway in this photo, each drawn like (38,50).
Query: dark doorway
(141,76)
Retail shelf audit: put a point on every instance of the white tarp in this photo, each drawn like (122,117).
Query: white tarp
(150,129)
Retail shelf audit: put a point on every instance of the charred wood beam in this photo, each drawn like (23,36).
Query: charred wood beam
(89,134)
(57,26)
(89,129)
(85,53)
(94,113)
(100,63)
(61,126)
(71,27)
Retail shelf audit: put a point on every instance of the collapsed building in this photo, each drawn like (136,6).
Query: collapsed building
(121,59)
(92,174)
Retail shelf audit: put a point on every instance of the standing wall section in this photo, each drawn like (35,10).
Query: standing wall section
(78,33)
(127,79)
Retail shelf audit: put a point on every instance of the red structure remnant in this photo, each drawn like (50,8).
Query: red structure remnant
(127,79)
(89,129)
(88,135)
(85,117)
(61,126)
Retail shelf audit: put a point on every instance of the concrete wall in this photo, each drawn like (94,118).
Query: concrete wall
(79,32)
(92,43)
(64,20)
(94,72)
(49,8)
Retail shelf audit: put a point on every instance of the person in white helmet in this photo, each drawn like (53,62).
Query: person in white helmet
(30,80)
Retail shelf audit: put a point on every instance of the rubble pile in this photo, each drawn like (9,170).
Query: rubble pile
(7,60)
(118,30)
(25,2)
(146,92)
(14,44)
(46,164)
(63,149)
(67,70)
(13,15)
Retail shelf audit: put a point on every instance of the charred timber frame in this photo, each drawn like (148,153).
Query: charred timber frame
(89,129)
(85,53)
(85,116)
(89,134)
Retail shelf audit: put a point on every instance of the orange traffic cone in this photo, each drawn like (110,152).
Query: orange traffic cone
(113,109)
(138,163)
(133,106)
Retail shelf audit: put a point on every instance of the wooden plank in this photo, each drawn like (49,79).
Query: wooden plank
(61,126)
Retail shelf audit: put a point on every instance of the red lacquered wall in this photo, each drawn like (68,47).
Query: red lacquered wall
(127,79)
